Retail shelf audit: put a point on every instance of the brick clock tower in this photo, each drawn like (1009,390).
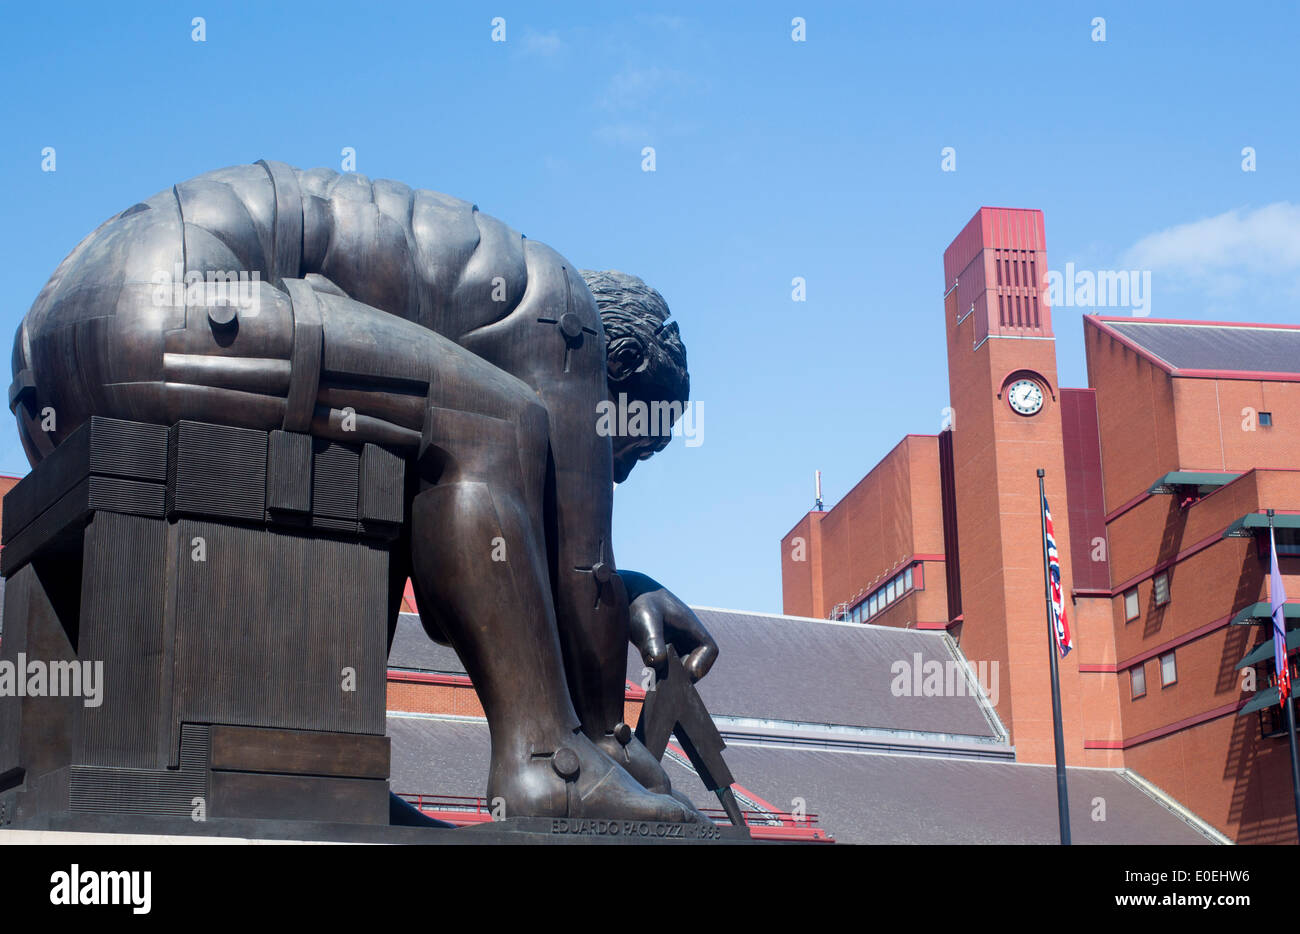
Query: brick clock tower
(1006,423)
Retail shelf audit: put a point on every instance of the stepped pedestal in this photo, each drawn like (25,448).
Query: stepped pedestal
(210,607)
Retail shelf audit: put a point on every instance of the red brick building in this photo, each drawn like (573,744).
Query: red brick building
(1159,475)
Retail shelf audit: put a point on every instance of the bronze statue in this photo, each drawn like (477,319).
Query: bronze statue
(271,298)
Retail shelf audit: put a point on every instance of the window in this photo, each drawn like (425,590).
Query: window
(1138,679)
(1168,670)
(1162,589)
(1131,605)
(891,590)
(1266,419)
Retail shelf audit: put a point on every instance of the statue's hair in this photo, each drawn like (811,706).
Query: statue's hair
(636,316)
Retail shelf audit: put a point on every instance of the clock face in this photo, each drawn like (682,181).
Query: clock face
(1025,396)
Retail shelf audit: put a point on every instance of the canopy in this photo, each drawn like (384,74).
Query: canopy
(1204,482)
(1253,522)
(1265,650)
(1258,613)
(1264,697)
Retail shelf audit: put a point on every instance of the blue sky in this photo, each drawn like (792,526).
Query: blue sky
(774,159)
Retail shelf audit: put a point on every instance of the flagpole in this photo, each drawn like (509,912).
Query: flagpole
(1290,697)
(1062,793)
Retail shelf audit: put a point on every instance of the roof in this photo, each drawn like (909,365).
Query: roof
(796,670)
(857,797)
(1215,349)
(438,754)
(809,711)
(820,672)
(413,650)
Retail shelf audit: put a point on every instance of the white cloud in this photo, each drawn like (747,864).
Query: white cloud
(623,134)
(664,21)
(633,88)
(546,44)
(1224,248)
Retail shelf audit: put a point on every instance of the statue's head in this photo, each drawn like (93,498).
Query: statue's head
(645,361)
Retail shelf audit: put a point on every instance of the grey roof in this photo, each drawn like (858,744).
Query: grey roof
(857,797)
(805,673)
(438,755)
(880,798)
(790,669)
(817,672)
(1193,346)
(413,649)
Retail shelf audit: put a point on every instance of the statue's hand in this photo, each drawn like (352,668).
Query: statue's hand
(658,620)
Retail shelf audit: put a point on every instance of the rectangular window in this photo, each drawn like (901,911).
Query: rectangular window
(1131,605)
(1138,680)
(1266,419)
(1168,670)
(1162,589)
(907,579)
(889,593)
(871,606)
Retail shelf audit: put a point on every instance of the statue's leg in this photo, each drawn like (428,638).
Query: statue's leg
(568,371)
(477,545)
(590,601)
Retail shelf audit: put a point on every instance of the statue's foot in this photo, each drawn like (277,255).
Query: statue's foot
(646,769)
(680,797)
(578,780)
(637,761)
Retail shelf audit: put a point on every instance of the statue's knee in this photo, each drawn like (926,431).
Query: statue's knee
(457,445)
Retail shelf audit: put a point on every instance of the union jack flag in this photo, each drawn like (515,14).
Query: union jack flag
(1277,603)
(1064,641)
